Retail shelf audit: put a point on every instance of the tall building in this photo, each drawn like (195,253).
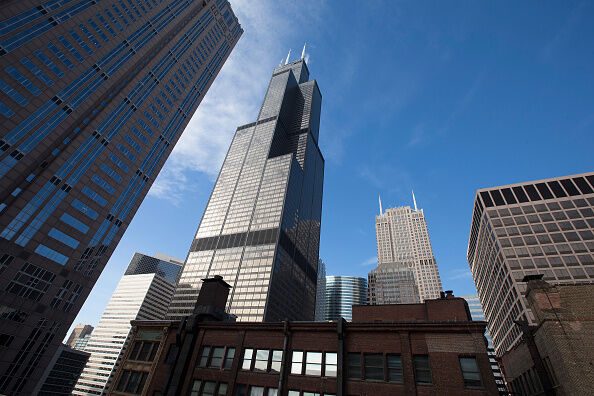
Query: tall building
(403,238)
(476,312)
(61,374)
(321,292)
(80,344)
(93,97)
(79,331)
(261,228)
(143,293)
(541,227)
(392,283)
(342,292)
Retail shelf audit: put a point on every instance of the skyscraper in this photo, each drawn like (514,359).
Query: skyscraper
(403,238)
(61,374)
(94,94)
(321,293)
(261,228)
(342,292)
(79,331)
(540,227)
(143,293)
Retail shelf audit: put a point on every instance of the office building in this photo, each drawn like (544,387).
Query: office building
(80,344)
(476,312)
(94,96)
(342,292)
(321,292)
(61,374)
(261,226)
(420,349)
(392,283)
(143,293)
(403,238)
(79,331)
(541,227)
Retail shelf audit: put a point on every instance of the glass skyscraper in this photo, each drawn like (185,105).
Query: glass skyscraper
(342,292)
(321,293)
(261,228)
(94,94)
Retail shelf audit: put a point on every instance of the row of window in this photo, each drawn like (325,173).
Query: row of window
(132,382)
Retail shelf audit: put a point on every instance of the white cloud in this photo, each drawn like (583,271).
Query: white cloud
(460,273)
(236,95)
(369,261)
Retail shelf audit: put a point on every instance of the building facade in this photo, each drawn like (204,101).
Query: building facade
(392,283)
(420,349)
(261,227)
(403,238)
(321,292)
(62,373)
(79,331)
(143,293)
(555,355)
(541,227)
(81,343)
(342,292)
(476,312)
(94,95)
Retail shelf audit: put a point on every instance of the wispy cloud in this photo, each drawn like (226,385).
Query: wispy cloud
(460,273)
(235,96)
(563,33)
(369,261)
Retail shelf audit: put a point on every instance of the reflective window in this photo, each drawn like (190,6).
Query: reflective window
(12,93)
(374,366)
(37,71)
(313,363)
(48,62)
(297,362)
(60,55)
(470,371)
(75,223)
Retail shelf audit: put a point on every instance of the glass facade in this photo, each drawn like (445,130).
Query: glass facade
(543,227)
(87,119)
(403,239)
(342,292)
(321,292)
(261,228)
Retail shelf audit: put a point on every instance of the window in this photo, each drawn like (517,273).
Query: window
(229,356)
(247,359)
(144,351)
(204,356)
(216,358)
(330,364)
(132,382)
(209,388)
(354,366)
(313,363)
(261,360)
(470,371)
(394,368)
(422,369)
(297,362)
(276,361)
(374,366)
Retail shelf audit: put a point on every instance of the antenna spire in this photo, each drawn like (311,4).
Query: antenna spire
(380,203)
(414,200)
(288,55)
(303,51)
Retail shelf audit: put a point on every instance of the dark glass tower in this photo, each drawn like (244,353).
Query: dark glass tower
(94,94)
(261,228)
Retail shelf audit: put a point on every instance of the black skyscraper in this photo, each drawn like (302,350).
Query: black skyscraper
(261,227)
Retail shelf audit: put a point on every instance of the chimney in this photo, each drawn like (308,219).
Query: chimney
(449,294)
(214,293)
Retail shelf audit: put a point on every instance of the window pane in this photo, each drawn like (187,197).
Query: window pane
(256,391)
(229,358)
(135,350)
(277,357)
(222,389)
(217,357)
(470,371)
(261,360)
(354,366)
(132,382)
(422,369)
(374,366)
(204,356)
(313,364)
(144,350)
(195,388)
(296,365)
(153,352)
(330,368)
(123,380)
(209,388)
(247,359)
(272,392)
(394,368)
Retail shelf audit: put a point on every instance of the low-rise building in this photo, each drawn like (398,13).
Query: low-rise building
(423,349)
(556,355)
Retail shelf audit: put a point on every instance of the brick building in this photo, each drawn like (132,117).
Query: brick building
(423,349)
(555,356)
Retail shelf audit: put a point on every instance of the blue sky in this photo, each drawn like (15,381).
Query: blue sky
(440,98)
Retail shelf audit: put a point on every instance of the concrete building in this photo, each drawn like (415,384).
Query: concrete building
(144,292)
(403,239)
(392,283)
(556,354)
(342,292)
(321,292)
(417,349)
(61,374)
(94,95)
(79,331)
(540,227)
(476,312)
(261,226)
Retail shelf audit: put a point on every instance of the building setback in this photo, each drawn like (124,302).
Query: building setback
(403,238)
(342,292)
(94,95)
(143,293)
(62,373)
(423,349)
(540,227)
(261,227)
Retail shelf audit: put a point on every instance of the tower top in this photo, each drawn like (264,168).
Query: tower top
(303,51)
(288,55)
(414,200)
(380,203)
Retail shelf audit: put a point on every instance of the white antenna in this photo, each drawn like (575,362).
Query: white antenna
(303,52)
(380,202)
(281,63)
(288,55)
(414,200)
